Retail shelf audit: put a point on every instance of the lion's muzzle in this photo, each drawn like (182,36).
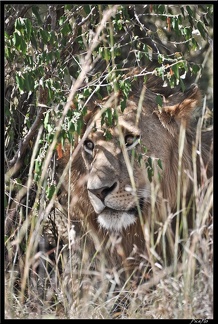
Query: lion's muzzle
(115,207)
(102,192)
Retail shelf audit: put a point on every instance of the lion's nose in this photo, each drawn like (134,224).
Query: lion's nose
(102,192)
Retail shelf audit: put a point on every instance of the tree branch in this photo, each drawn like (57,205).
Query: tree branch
(25,142)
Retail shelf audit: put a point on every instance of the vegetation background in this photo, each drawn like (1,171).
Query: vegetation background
(56,57)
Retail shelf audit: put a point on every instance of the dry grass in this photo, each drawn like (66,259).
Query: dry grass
(35,287)
(184,294)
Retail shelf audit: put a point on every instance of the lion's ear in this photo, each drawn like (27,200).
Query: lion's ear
(181,105)
(178,109)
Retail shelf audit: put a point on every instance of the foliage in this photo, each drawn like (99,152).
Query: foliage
(58,56)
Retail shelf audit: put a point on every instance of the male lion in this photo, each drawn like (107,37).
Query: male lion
(130,175)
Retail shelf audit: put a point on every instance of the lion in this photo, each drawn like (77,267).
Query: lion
(130,172)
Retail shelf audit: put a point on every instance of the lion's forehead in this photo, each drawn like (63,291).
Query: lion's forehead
(126,120)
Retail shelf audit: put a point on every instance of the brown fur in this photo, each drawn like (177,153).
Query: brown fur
(160,133)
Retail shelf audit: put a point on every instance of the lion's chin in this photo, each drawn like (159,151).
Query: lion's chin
(114,220)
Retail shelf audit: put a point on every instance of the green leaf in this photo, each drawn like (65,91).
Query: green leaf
(34,41)
(66,29)
(35,11)
(159,100)
(125,87)
(187,32)
(19,23)
(38,166)
(123,104)
(175,69)
(145,149)
(150,173)
(45,35)
(62,20)
(194,45)
(172,82)
(195,68)
(46,119)
(68,6)
(23,46)
(182,84)
(29,60)
(7,52)
(160,71)
(29,82)
(28,27)
(71,127)
(159,163)
(190,12)
(87,9)
(175,24)
(87,92)
(161,9)
(78,126)
(16,39)
(179,19)
(201,29)
(50,136)
(139,157)
(20,82)
(149,162)
(182,11)
(108,135)
(160,58)
(49,57)
(108,115)
(50,191)
(19,42)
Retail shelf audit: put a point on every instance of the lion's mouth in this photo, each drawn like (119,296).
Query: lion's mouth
(133,210)
(113,215)
(118,220)
(111,210)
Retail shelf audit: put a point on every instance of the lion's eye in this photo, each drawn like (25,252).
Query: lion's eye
(88,146)
(131,141)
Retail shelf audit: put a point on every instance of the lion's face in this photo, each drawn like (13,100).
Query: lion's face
(119,163)
(117,183)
